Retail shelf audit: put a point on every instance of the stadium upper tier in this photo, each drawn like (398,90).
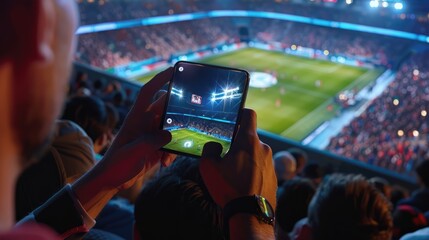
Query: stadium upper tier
(113,48)
(111,11)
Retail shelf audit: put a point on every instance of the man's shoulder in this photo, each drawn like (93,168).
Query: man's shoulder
(29,231)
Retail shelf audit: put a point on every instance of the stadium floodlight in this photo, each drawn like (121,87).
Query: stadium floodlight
(225,94)
(348,2)
(385,4)
(177,92)
(374,3)
(398,6)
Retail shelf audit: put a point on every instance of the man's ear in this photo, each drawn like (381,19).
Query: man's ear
(35,24)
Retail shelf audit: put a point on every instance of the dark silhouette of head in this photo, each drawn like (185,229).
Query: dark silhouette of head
(177,205)
(314,172)
(293,198)
(95,117)
(423,172)
(301,158)
(382,185)
(349,207)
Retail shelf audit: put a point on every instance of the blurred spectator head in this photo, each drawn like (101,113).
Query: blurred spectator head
(314,172)
(301,159)
(382,185)
(177,205)
(293,199)
(349,207)
(407,219)
(398,193)
(285,166)
(92,114)
(423,172)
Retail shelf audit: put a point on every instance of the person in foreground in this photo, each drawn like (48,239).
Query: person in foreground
(36,47)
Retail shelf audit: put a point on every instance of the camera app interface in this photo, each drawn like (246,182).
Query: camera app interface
(203,106)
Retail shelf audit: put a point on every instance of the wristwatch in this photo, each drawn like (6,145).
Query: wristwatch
(255,205)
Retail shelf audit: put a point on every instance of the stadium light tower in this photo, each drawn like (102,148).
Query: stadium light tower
(177,92)
(374,3)
(398,6)
(227,93)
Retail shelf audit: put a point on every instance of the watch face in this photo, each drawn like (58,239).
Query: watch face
(265,207)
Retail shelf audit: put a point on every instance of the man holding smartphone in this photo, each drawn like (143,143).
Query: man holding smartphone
(36,48)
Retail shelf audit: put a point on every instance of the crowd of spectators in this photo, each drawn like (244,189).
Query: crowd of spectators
(384,50)
(124,10)
(393,131)
(213,127)
(114,48)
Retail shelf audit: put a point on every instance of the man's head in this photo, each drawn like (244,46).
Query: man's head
(423,172)
(349,207)
(284,165)
(301,159)
(178,206)
(293,199)
(36,47)
(94,116)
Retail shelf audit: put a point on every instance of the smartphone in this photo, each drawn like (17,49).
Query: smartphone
(203,105)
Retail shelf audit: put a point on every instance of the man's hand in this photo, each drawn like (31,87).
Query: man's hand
(134,151)
(247,168)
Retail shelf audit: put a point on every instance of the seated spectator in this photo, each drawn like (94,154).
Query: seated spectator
(177,205)
(301,159)
(398,194)
(314,172)
(407,219)
(92,114)
(420,198)
(382,185)
(349,207)
(293,198)
(69,157)
(285,166)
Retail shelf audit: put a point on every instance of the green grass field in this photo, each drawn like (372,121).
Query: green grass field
(197,140)
(295,106)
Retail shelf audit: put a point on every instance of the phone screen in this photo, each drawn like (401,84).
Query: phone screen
(203,105)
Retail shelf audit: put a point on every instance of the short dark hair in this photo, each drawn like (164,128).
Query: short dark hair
(177,205)
(422,170)
(349,207)
(90,113)
(293,198)
(300,156)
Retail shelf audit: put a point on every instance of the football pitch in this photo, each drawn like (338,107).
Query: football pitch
(188,141)
(303,97)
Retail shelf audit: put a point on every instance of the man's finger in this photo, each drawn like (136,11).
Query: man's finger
(247,130)
(212,150)
(158,106)
(161,138)
(152,87)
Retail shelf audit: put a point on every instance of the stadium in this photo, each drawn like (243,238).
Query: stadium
(214,119)
(317,77)
(344,81)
